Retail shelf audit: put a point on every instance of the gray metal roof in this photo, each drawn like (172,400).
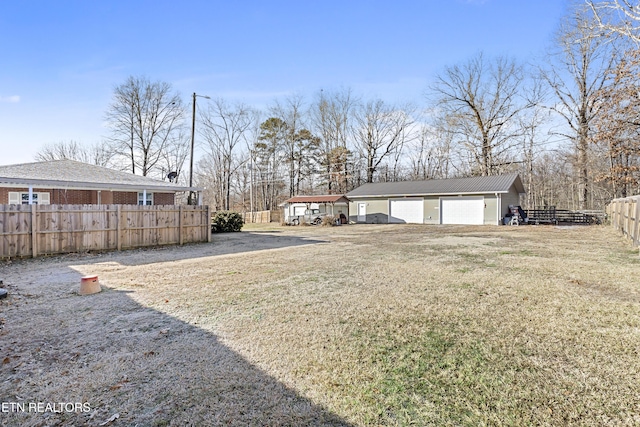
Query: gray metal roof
(77,175)
(474,185)
(326,198)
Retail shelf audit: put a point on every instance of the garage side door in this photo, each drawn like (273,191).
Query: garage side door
(406,211)
(462,210)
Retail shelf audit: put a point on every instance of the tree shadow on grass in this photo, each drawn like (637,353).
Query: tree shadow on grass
(221,244)
(124,358)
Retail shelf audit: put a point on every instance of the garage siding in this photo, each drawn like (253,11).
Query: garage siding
(377,210)
(510,198)
(491,214)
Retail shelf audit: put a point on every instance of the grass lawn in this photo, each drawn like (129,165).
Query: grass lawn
(355,325)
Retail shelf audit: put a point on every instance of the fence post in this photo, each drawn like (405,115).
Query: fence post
(623,217)
(119,227)
(619,215)
(627,227)
(207,223)
(180,233)
(612,213)
(636,224)
(34,231)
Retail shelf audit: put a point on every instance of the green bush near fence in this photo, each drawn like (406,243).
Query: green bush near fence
(226,221)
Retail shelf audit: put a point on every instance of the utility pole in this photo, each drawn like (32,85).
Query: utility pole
(251,183)
(190,200)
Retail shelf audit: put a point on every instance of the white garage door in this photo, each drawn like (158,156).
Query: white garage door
(409,211)
(462,210)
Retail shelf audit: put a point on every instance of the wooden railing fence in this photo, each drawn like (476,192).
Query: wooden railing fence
(551,215)
(625,217)
(32,230)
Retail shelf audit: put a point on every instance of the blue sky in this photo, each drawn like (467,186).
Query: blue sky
(60,60)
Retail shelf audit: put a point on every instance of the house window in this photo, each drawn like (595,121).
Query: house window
(20,198)
(142,201)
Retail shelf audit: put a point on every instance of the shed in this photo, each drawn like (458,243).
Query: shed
(333,204)
(476,200)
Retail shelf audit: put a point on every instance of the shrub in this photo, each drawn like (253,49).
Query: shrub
(329,221)
(226,221)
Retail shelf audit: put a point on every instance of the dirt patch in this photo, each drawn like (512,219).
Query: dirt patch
(351,325)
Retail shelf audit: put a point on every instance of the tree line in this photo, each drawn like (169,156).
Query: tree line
(568,123)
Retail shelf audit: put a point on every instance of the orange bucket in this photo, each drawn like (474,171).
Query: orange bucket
(89,285)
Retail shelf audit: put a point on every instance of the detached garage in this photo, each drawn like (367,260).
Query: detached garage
(473,201)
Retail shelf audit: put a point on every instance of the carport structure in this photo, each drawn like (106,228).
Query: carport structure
(333,204)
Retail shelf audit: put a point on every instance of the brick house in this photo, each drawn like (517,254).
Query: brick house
(76,183)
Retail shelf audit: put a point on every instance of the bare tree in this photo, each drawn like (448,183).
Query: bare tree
(578,71)
(553,180)
(534,137)
(430,156)
(144,117)
(298,144)
(225,129)
(530,149)
(175,155)
(97,154)
(208,174)
(380,131)
(244,183)
(331,116)
(479,103)
(620,17)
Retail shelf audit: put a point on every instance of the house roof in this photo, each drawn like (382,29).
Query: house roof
(330,198)
(473,185)
(70,174)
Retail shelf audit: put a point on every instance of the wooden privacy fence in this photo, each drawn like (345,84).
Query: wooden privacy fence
(262,216)
(32,230)
(625,217)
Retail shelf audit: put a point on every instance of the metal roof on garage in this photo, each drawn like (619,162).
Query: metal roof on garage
(458,186)
(326,198)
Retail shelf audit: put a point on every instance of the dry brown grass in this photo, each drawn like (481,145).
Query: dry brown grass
(360,325)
